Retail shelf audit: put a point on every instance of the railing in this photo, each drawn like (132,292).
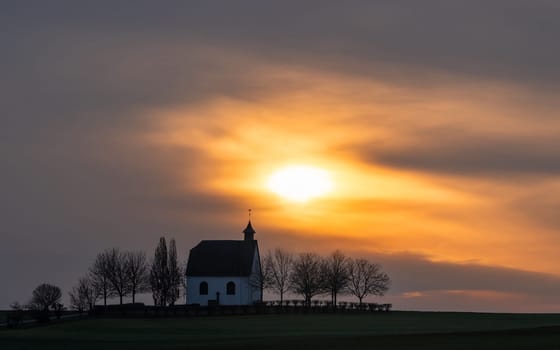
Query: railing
(269,307)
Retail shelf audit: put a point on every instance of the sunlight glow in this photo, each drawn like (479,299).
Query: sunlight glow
(300,183)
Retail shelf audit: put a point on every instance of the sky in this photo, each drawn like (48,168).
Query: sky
(436,121)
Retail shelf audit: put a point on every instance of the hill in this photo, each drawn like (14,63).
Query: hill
(394,330)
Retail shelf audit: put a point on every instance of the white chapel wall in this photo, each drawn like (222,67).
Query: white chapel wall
(243,293)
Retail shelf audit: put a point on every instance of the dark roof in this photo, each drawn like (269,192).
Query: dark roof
(221,258)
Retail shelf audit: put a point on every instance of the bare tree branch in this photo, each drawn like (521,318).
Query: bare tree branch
(100,275)
(45,297)
(175,275)
(159,274)
(335,274)
(279,264)
(84,295)
(137,273)
(367,279)
(118,276)
(306,276)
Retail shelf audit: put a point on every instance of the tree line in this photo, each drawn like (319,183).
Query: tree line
(116,273)
(309,275)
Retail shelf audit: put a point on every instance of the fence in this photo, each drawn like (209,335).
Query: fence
(20,318)
(270,307)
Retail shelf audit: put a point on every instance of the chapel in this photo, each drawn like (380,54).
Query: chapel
(225,272)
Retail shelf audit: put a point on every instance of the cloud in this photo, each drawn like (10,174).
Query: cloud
(414,273)
(459,152)
(506,40)
(539,207)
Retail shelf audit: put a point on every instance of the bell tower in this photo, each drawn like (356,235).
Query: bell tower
(249,231)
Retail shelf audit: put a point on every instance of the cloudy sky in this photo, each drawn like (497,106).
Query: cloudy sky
(437,122)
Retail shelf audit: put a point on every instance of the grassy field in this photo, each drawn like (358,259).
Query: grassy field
(395,330)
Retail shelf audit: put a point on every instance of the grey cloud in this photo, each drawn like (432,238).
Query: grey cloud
(416,273)
(458,152)
(540,208)
(511,40)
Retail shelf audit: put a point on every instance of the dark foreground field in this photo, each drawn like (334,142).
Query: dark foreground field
(394,330)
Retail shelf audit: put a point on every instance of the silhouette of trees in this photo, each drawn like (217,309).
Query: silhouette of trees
(175,274)
(100,273)
(306,276)
(84,295)
(118,276)
(309,275)
(158,274)
(44,298)
(165,274)
(122,273)
(118,273)
(279,267)
(335,274)
(137,272)
(366,278)
(262,279)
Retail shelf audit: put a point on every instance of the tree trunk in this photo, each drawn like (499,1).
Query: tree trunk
(120,297)
(104,296)
(133,294)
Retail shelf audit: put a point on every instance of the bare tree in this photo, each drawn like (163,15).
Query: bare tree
(137,273)
(306,276)
(335,274)
(100,273)
(159,273)
(175,274)
(262,279)
(84,295)
(77,302)
(118,276)
(366,278)
(279,264)
(45,297)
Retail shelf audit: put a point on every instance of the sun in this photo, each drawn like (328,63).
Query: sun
(300,183)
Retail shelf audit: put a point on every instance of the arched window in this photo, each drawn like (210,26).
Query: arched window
(203,288)
(230,288)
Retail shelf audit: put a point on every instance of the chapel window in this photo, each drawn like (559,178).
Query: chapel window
(230,288)
(203,288)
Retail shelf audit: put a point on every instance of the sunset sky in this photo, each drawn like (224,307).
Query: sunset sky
(437,123)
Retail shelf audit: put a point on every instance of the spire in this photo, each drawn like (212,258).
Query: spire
(249,231)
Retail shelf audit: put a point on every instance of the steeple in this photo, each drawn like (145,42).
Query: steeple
(249,232)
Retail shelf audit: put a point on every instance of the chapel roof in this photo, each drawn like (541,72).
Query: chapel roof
(222,258)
